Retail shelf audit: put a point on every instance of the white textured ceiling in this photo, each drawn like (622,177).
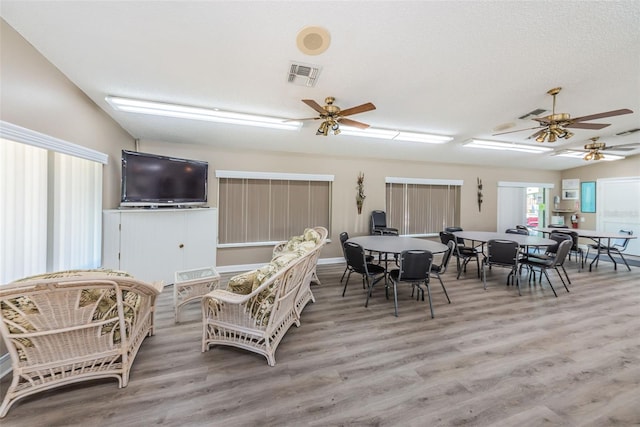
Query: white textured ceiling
(446,67)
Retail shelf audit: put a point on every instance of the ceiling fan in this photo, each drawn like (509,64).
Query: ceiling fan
(332,116)
(595,148)
(555,125)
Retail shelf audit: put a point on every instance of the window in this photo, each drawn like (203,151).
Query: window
(52,203)
(422,207)
(259,208)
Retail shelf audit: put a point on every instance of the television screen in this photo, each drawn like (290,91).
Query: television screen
(153,180)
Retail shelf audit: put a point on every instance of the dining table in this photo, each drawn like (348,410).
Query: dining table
(395,245)
(598,237)
(524,240)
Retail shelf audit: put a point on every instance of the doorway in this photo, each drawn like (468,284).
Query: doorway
(521,203)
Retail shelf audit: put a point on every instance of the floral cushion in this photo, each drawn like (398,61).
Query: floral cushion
(242,283)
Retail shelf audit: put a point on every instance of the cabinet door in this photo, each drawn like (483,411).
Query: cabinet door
(200,238)
(151,244)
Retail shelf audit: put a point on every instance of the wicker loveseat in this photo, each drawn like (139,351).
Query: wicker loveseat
(257,308)
(66,327)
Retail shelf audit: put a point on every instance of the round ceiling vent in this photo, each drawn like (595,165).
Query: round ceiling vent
(313,40)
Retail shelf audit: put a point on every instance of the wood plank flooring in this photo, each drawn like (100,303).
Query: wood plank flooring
(490,358)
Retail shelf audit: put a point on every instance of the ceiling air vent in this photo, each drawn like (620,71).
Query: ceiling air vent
(532,114)
(303,74)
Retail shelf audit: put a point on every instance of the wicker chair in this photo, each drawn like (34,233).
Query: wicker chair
(258,320)
(67,327)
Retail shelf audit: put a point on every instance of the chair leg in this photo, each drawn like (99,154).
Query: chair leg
(562,280)
(544,270)
(426,282)
(395,297)
(346,283)
(624,260)
(444,289)
(484,276)
(369,291)
(565,274)
(345,272)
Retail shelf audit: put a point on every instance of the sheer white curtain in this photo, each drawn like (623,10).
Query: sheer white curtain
(77,206)
(512,207)
(50,204)
(23,214)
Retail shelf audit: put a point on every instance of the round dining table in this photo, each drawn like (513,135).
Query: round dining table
(521,239)
(397,244)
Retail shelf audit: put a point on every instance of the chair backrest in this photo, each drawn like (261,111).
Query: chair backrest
(447,256)
(558,226)
(516,231)
(573,235)
(344,236)
(558,237)
(415,265)
(378,219)
(502,252)
(459,240)
(563,249)
(621,244)
(446,237)
(523,227)
(355,257)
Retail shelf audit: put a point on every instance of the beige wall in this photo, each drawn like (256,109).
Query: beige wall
(345,170)
(37,96)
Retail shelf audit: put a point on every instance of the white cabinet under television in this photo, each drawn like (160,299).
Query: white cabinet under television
(152,244)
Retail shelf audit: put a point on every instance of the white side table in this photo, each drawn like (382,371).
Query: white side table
(192,285)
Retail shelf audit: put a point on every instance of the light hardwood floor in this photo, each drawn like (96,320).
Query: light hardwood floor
(490,358)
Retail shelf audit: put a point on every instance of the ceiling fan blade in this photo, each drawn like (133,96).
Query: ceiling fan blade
(514,131)
(359,109)
(299,120)
(313,104)
(353,123)
(602,115)
(623,147)
(594,126)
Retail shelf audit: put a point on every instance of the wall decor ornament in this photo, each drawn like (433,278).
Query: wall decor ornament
(360,194)
(479,195)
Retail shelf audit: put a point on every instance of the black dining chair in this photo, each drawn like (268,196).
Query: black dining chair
(559,237)
(618,246)
(378,223)
(357,263)
(415,267)
(552,262)
(463,254)
(344,236)
(502,253)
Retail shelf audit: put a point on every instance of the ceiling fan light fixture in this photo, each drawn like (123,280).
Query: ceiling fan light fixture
(542,137)
(552,137)
(130,105)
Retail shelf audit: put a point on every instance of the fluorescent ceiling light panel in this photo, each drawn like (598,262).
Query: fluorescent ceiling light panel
(195,113)
(395,135)
(510,146)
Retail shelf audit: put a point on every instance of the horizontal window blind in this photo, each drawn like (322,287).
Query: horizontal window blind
(422,209)
(267,210)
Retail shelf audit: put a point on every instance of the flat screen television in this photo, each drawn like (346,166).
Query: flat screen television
(151,180)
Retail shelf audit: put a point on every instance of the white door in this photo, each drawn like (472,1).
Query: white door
(150,244)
